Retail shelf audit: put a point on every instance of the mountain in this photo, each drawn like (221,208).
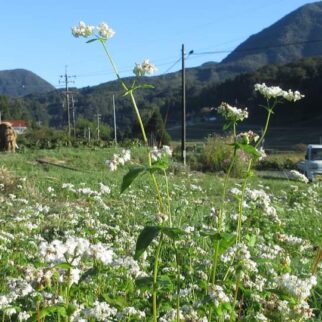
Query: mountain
(21,82)
(295,36)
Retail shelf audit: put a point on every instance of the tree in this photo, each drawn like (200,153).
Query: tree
(156,130)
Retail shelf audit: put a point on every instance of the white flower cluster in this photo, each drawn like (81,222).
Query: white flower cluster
(105,31)
(118,159)
(100,311)
(146,68)
(298,288)
(18,288)
(298,176)
(84,30)
(130,312)
(218,295)
(241,254)
(275,92)
(247,137)
(295,241)
(232,113)
(72,250)
(130,265)
(262,200)
(157,154)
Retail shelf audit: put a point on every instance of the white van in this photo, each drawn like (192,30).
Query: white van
(312,165)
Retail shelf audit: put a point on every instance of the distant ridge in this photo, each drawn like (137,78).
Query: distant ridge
(21,82)
(297,35)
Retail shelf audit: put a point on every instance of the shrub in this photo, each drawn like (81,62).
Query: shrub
(216,156)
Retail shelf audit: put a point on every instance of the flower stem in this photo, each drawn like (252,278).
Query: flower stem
(155,277)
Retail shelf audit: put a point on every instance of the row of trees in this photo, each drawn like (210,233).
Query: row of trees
(163,103)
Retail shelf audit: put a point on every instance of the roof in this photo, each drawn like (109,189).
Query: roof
(17,123)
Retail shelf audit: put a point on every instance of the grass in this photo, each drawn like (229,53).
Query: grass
(120,219)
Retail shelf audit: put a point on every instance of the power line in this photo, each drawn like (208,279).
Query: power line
(257,48)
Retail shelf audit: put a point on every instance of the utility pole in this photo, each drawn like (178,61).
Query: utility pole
(114,115)
(73,115)
(183,114)
(183,110)
(89,134)
(98,116)
(67,80)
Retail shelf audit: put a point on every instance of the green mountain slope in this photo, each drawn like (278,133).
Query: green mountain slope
(21,82)
(297,35)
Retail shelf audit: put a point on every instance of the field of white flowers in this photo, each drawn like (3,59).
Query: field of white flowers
(70,246)
(128,235)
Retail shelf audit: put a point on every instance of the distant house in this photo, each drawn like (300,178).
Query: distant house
(20,126)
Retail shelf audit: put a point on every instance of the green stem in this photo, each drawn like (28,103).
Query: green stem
(241,200)
(220,219)
(113,65)
(168,197)
(232,316)
(155,277)
(178,287)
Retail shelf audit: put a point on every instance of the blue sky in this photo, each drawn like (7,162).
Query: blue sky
(36,33)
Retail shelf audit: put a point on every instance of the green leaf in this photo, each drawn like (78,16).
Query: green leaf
(251,240)
(49,310)
(159,165)
(64,266)
(119,301)
(173,233)
(131,176)
(227,126)
(227,241)
(144,283)
(249,149)
(145,239)
(91,40)
(164,283)
(90,272)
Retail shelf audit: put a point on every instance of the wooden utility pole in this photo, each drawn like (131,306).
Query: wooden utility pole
(183,110)
(114,115)
(73,115)
(98,116)
(67,80)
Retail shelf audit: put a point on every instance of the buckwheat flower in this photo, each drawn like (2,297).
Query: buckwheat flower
(167,150)
(82,30)
(53,252)
(262,153)
(74,276)
(101,311)
(293,96)
(102,253)
(10,311)
(247,137)
(104,189)
(105,31)
(130,312)
(261,317)
(155,153)
(301,289)
(146,68)
(232,113)
(126,154)
(298,176)
(76,246)
(23,316)
(217,294)
(269,91)
(112,165)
